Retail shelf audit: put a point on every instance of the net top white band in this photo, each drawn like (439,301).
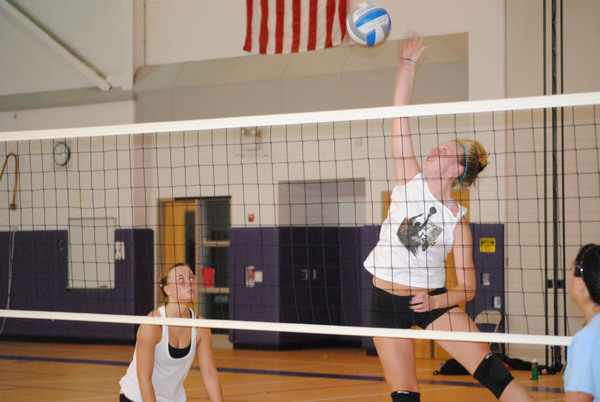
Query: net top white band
(434,109)
(297,328)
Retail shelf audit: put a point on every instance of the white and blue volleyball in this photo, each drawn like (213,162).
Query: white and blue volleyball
(368,24)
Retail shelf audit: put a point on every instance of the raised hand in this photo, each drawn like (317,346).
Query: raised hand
(412,49)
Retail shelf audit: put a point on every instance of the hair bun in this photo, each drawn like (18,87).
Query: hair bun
(479,167)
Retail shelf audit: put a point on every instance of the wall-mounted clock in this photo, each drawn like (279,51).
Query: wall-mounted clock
(61,153)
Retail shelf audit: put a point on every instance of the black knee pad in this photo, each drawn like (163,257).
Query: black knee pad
(406,396)
(493,374)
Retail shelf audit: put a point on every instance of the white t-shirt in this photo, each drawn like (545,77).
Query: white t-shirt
(415,238)
(168,374)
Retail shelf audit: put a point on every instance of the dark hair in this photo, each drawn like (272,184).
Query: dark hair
(587,266)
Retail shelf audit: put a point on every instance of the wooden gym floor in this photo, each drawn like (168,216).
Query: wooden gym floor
(75,372)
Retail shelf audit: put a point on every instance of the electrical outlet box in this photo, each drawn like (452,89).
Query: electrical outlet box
(497,301)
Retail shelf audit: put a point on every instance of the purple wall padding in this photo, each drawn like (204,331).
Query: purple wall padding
(491,263)
(310,276)
(258,247)
(39,282)
(315,275)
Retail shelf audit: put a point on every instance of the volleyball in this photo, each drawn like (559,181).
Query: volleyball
(368,24)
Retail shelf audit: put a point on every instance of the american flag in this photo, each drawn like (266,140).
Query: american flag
(290,26)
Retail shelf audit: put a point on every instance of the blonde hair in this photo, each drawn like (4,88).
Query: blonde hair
(474,160)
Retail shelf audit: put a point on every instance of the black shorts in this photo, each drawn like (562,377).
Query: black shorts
(390,311)
(123,398)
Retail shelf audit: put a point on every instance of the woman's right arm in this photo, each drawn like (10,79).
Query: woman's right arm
(148,337)
(405,162)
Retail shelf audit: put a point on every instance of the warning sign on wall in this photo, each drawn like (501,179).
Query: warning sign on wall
(487,245)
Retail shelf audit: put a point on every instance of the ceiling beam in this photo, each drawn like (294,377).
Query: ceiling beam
(80,65)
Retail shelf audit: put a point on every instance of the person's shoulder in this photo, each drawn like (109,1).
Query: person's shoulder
(462,211)
(596,320)
(154,313)
(203,333)
(149,334)
(589,335)
(592,330)
(149,329)
(197,316)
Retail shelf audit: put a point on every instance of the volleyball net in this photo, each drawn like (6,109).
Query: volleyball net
(276,214)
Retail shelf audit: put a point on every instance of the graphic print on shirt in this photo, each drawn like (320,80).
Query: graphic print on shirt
(418,235)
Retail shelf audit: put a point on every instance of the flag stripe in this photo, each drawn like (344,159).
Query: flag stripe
(312,25)
(283,26)
(330,15)
(279,26)
(249,14)
(342,13)
(297,24)
(264,27)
